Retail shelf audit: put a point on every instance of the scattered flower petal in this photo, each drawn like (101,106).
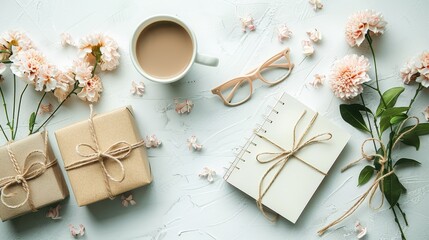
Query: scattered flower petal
(45,108)
(283,32)
(207,173)
(152,141)
(360,23)
(54,213)
(77,232)
(184,107)
(426,113)
(247,23)
(137,88)
(126,201)
(66,39)
(314,35)
(192,143)
(307,48)
(347,76)
(360,229)
(318,80)
(2,68)
(316,4)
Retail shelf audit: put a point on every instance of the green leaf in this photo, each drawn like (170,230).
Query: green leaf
(420,130)
(406,161)
(392,189)
(413,141)
(394,111)
(351,114)
(390,97)
(384,124)
(397,119)
(365,175)
(32,121)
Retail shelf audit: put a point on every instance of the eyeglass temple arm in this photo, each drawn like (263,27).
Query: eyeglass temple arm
(231,94)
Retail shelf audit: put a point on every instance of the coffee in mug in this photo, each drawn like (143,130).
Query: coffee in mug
(163,49)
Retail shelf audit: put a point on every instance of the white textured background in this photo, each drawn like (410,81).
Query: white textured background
(180,205)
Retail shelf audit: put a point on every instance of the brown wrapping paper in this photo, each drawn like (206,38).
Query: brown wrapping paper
(88,182)
(45,189)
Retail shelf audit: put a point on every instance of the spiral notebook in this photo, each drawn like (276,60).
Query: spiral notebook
(301,175)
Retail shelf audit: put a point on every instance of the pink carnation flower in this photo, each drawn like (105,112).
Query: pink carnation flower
(409,72)
(91,89)
(101,46)
(360,23)
(347,76)
(65,82)
(27,65)
(15,41)
(423,69)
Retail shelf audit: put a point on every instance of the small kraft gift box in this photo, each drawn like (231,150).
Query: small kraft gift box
(30,177)
(104,156)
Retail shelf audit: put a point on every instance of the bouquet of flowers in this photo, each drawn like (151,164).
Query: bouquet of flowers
(388,125)
(18,52)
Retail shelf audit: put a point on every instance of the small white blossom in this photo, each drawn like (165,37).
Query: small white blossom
(207,173)
(192,144)
(137,88)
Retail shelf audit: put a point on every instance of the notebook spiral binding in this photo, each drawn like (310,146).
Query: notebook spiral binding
(259,128)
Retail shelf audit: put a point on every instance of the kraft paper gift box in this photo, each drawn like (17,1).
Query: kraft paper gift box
(286,159)
(30,177)
(104,156)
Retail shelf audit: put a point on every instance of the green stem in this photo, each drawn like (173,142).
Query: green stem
(4,51)
(399,225)
(19,110)
(14,103)
(419,88)
(5,136)
(367,85)
(5,111)
(56,109)
(403,214)
(37,110)
(5,61)
(369,123)
(368,38)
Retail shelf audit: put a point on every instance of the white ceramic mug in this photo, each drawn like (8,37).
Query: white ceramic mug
(196,57)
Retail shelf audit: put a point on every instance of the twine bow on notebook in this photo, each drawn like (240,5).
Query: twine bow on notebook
(30,171)
(379,178)
(282,157)
(116,152)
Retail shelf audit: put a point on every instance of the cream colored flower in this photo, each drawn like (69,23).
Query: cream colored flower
(347,76)
(307,48)
(137,88)
(192,144)
(314,35)
(27,64)
(82,70)
(208,173)
(423,69)
(47,78)
(91,89)
(409,72)
(103,47)
(14,41)
(318,80)
(316,4)
(45,108)
(247,23)
(152,141)
(65,82)
(66,39)
(360,23)
(283,32)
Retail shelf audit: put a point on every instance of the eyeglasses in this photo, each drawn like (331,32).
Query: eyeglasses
(238,90)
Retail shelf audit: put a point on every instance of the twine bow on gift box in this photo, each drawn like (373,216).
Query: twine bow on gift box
(116,152)
(31,171)
(282,157)
(379,178)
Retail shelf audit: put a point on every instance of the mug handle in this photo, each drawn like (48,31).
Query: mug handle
(206,60)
